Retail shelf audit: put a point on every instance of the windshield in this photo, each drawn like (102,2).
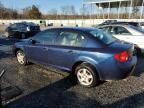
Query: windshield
(137,28)
(104,37)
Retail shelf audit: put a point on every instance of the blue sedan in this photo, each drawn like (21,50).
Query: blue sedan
(90,54)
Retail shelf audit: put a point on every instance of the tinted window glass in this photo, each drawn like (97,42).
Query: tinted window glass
(103,36)
(20,25)
(70,39)
(13,26)
(107,29)
(121,30)
(46,37)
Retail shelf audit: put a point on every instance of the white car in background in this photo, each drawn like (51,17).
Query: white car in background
(127,33)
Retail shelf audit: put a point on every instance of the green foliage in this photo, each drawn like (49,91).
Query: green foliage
(34,13)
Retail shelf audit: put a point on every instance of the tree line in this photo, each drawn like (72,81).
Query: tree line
(65,12)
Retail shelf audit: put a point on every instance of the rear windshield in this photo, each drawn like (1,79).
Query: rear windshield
(104,37)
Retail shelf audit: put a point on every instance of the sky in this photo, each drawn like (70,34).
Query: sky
(44,5)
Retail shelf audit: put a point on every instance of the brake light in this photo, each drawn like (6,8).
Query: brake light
(122,57)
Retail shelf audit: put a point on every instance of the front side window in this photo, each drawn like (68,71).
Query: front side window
(70,39)
(137,28)
(46,37)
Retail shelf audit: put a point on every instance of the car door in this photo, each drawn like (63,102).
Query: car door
(66,50)
(38,49)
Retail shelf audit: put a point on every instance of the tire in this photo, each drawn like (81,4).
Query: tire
(138,50)
(86,75)
(21,58)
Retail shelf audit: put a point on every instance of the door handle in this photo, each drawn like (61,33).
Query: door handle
(45,48)
(70,51)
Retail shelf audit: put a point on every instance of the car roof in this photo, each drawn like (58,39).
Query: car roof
(25,23)
(123,25)
(82,29)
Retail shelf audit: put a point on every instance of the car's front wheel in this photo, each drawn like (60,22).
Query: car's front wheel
(86,75)
(21,57)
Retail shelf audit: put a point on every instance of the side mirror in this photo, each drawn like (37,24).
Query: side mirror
(8,29)
(112,32)
(32,41)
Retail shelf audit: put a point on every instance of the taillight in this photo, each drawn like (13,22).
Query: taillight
(122,57)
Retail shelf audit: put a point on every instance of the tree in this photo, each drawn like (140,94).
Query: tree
(34,13)
(25,13)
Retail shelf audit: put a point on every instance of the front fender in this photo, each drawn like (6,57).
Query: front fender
(18,47)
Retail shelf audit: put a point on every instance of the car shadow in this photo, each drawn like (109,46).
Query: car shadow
(46,96)
(139,67)
(57,95)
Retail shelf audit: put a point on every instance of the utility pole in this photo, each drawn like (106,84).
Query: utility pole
(109,11)
(82,12)
(119,9)
(142,10)
(130,8)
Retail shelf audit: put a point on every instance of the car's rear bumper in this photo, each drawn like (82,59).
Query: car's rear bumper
(112,70)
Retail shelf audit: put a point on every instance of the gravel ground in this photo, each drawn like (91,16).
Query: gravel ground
(44,87)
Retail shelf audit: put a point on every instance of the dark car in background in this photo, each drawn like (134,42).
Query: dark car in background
(22,30)
(90,54)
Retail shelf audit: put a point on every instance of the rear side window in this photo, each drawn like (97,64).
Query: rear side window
(70,39)
(104,37)
(46,37)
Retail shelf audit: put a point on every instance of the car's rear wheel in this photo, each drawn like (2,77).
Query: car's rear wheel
(138,50)
(86,75)
(21,57)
